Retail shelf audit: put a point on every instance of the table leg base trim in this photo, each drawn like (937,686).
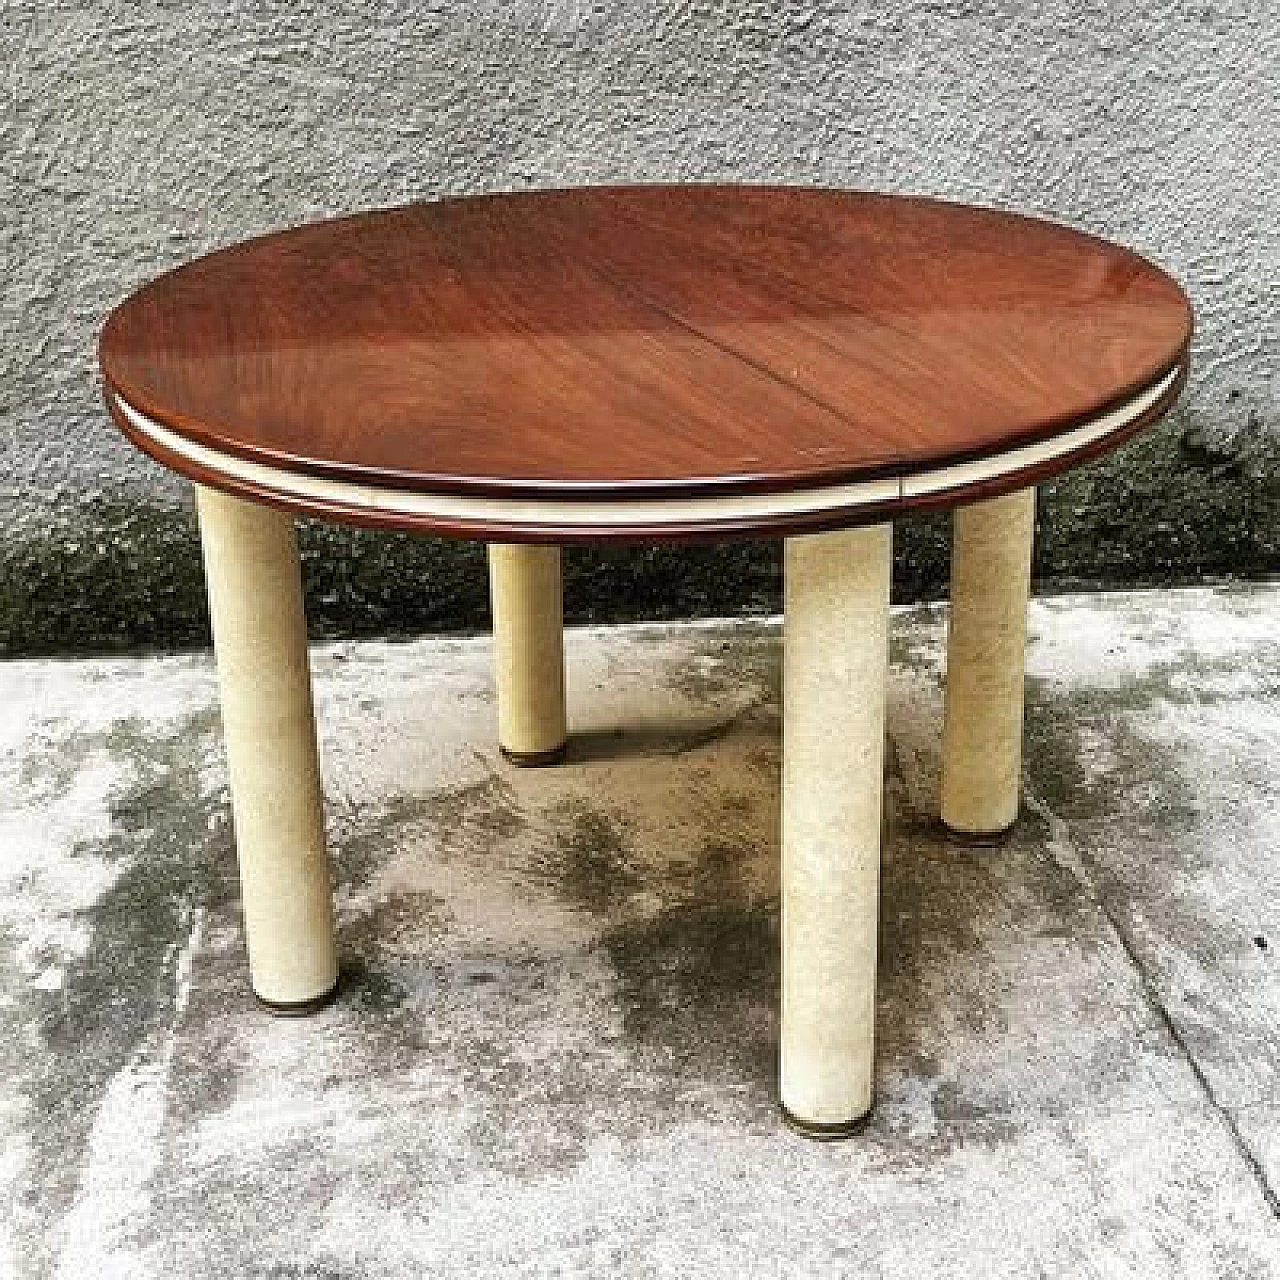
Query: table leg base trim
(826,1131)
(298,1008)
(534,759)
(979,839)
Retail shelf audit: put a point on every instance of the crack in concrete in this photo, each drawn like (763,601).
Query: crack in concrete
(1073,859)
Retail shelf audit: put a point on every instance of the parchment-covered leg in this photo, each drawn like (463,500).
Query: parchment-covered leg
(982,731)
(260,637)
(835,666)
(528,641)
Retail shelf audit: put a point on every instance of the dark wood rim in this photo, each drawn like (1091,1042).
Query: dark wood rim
(712,531)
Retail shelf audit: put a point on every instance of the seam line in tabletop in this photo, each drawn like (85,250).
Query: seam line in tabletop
(1117,399)
(638,295)
(583,515)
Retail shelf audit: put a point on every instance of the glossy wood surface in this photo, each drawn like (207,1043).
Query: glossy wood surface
(644,341)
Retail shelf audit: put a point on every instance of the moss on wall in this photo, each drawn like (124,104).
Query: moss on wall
(1167,509)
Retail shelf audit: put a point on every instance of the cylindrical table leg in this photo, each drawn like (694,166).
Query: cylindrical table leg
(987,636)
(260,637)
(834,670)
(528,641)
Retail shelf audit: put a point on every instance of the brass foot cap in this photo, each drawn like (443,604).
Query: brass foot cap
(298,1008)
(979,839)
(534,759)
(826,1131)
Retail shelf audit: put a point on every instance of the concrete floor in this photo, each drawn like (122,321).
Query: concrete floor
(554,1052)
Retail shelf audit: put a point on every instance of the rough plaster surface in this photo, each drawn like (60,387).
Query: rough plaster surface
(554,1053)
(134,136)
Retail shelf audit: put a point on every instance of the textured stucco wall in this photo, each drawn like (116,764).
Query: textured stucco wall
(136,135)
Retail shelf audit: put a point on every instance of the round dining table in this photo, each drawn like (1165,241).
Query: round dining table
(638,364)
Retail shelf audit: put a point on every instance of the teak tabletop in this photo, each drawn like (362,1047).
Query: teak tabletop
(645,362)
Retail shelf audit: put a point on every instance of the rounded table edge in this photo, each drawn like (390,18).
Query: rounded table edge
(640,519)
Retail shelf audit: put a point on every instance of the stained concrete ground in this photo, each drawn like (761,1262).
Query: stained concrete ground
(554,1049)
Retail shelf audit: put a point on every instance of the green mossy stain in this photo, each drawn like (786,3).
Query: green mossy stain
(697,979)
(698,984)
(724,665)
(477,815)
(383,939)
(1060,726)
(1164,510)
(124,574)
(589,857)
(713,875)
(121,576)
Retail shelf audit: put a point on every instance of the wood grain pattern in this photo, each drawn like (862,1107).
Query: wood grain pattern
(644,341)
